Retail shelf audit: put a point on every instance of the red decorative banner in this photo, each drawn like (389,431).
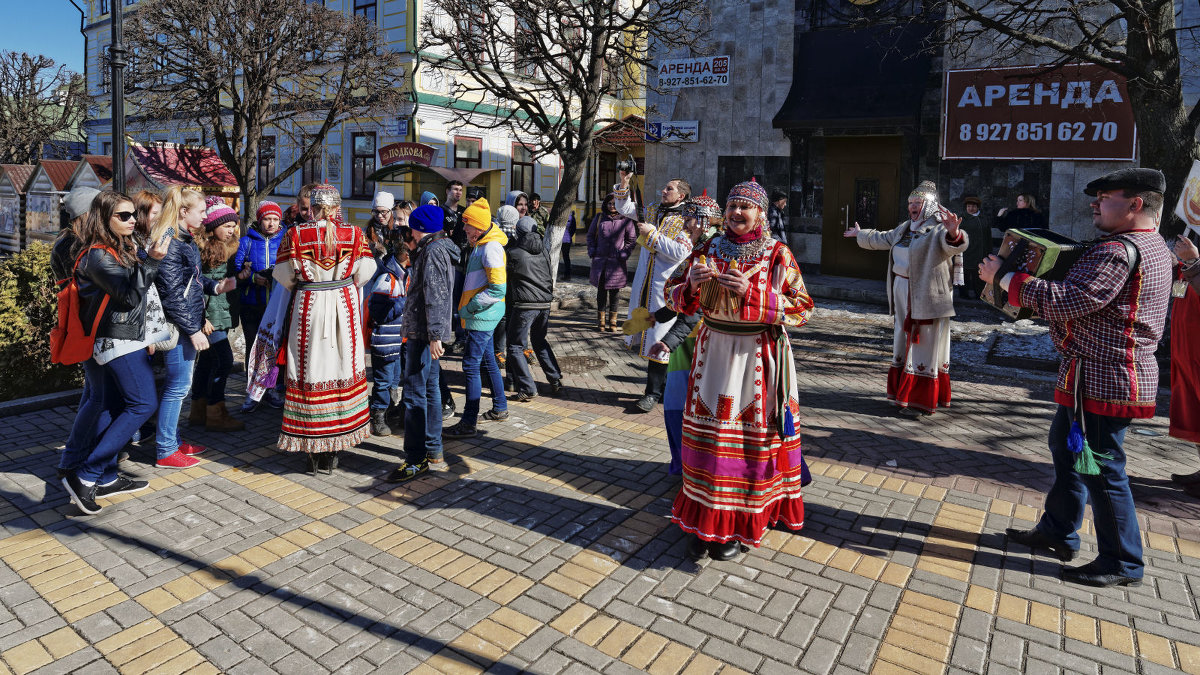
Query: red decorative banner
(416,153)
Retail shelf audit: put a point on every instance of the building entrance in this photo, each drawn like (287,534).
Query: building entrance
(862,184)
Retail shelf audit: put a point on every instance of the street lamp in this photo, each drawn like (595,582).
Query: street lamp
(116,52)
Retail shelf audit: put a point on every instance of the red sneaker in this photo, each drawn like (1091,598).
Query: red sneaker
(177,461)
(190,448)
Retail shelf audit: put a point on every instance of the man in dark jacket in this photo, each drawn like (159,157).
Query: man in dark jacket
(775,217)
(427,325)
(529,294)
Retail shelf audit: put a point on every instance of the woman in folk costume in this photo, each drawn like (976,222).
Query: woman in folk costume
(324,263)
(924,259)
(742,463)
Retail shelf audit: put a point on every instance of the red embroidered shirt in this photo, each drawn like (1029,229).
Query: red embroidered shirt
(1108,319)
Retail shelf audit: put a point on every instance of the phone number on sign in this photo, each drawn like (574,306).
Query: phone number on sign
(693,81)
(1039,131)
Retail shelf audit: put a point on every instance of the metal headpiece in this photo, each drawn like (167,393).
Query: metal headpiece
(749,192)
(701,207)
(926,190)
(325,195)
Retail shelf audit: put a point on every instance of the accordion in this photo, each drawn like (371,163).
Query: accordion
(1036,252)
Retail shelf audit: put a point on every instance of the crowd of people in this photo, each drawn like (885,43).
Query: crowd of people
(712,297)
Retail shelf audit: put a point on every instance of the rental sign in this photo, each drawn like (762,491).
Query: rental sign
(707,71)
(1070,112)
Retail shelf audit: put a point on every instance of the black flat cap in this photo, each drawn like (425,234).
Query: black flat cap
(1141,180)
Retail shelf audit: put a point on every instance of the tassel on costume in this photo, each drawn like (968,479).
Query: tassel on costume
(1085,458)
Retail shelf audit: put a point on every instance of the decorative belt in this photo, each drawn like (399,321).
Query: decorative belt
(731,328)
(324,285)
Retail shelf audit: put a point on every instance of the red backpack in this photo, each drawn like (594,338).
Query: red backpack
(70,342)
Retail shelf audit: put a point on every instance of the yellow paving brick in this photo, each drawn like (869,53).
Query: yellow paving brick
(157,601)
(63,642)
(236,566)
(72,615)
(1023,512)
(569,586)
(151,661)
(210,578)
(204,669)
(375,508)
(53,567)
(100,592)
(671,660)
(1045,617)
(593,631)
(944,607)
(280,547)
(934,493)
(912,489)
(186,662)
(473,573)
(703,664)
(643,652)
(504,637)
(438,562)
(320,529)
(881,667)
(573,618)
(1013,608)
(820,552)
(1080,627)
(301,538)
(185,588)
(982,599)
(142,646)
(960,573)
(939,650)
(583,575)
(429,550)
(27,657)
(512,619)
(491,582)
(845,559)
(621,637)
(912,626)
(870,567)
(1155,648)
(1188,548)
(511,590)
(1116,638)
(258,556)
(896,575)
(51,587)
(797,546)
(911,661)
(1189,658)
(892,484)
(477,648)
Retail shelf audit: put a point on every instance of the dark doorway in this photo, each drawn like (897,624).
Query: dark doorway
(862,184)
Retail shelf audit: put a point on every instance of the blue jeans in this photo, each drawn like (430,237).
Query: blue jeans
(1117,535)
(384,376)
(213,366)
(529,326)
(90,416)
(130,397)
(480,354)
(422,404)
(180,362)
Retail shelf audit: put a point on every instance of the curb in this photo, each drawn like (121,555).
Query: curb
(20,406)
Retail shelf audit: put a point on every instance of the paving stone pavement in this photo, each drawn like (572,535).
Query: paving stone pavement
(546,547)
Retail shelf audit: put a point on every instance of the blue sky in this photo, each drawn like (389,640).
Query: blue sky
(49,27)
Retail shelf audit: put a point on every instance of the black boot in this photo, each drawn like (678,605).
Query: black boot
(697,547)
(327,462)
(379,426)
(726,551)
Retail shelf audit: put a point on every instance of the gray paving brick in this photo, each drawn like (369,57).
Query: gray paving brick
(223,652)
(820,656)
(267,647)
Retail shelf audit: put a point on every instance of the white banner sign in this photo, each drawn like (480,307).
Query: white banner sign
(707,71)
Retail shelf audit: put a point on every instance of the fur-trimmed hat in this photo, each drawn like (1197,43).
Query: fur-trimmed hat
(217,213)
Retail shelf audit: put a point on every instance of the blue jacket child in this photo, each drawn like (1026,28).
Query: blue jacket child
(385,306)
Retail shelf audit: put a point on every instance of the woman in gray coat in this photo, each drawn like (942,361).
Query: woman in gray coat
(920,298)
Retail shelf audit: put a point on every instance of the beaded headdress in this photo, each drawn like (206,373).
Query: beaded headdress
(702,207)
(325,195)
(927,191)
(750,192)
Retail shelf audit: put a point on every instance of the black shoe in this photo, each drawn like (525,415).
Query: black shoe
(84,496)
(447,409)
(406,472)
(379,426)
(120,486)
(460,430)
(1088,575)
(1186,478)
(646,403)
(726,551)
(314,462)
(697,548)
(1036,539)
(494,415)
(523,397)
(555,387)
(327,462)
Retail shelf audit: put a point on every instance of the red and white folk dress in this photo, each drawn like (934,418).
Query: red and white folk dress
(742,460)
(326,405)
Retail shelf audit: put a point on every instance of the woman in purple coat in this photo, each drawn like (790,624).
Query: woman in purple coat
(610,240)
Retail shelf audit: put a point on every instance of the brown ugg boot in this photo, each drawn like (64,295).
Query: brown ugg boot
(600,321)
(198,414)
(219,419)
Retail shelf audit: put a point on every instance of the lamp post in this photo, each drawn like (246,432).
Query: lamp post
(117,62)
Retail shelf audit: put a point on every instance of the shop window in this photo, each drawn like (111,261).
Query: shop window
(468,153)
(363,164)
(522,168)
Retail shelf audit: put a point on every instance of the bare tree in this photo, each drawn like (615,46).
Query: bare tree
(1138,39)
(243,68)
(542,69)
(39,102)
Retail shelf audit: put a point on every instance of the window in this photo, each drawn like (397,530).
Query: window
(363,164)
(310,171)
(524,48)
(522,168)
(102,7)
(106,148)
(365,8)
(468,153)
(266,161)
(104,68)
(608,174)
(839,14)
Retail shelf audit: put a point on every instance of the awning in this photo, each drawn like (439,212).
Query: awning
(394,171)
(862,77)
(629,132)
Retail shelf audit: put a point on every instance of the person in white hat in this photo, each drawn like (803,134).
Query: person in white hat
(379,228)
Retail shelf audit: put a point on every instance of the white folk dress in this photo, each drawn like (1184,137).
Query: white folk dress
(661,252)
(326,405)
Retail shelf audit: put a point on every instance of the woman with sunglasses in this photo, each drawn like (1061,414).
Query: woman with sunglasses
(109,267)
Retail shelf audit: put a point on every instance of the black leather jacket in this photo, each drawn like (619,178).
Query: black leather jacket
(100,274)
(182,285)
(529,281)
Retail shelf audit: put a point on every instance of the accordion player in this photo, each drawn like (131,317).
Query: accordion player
(1038,252)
